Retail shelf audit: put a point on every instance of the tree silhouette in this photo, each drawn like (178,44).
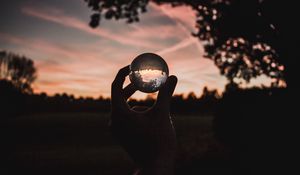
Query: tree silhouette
(17,69)
(209,94)
(245,39)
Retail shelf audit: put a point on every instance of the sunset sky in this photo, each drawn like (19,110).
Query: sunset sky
(74,58)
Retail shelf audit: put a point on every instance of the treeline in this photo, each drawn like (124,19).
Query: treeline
(15,102)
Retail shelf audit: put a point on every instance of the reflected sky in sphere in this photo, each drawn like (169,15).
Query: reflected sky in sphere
(148,72)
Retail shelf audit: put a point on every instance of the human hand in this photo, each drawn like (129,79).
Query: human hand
(147,134)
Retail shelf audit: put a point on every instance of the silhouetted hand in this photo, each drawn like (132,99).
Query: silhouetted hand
(147,134)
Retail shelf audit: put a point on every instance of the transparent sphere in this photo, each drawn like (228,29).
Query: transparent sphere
(148,72)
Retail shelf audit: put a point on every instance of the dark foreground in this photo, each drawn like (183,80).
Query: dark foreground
(80,143)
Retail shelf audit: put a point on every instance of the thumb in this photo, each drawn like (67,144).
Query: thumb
(165,94)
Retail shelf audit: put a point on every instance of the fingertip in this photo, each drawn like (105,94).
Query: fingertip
(120,77)
(125,68)
(170,85)
(173,77)
(172,80)
(123,72)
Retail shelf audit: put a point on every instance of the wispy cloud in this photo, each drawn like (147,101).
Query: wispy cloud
(162,32)
(61,53)
(184,18)
(57,16)
(180,45)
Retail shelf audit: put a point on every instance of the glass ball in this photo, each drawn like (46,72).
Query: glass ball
(148,72)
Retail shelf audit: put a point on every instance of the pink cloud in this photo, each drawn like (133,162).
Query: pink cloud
(56,50)
(180,45)
(160,32)
(56,16)
(184,17)
(183,14)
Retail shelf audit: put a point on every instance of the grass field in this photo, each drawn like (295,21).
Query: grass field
(80,143)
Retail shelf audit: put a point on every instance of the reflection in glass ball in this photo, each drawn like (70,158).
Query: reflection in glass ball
(148,72)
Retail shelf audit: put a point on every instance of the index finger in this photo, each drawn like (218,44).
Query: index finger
(165,94)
